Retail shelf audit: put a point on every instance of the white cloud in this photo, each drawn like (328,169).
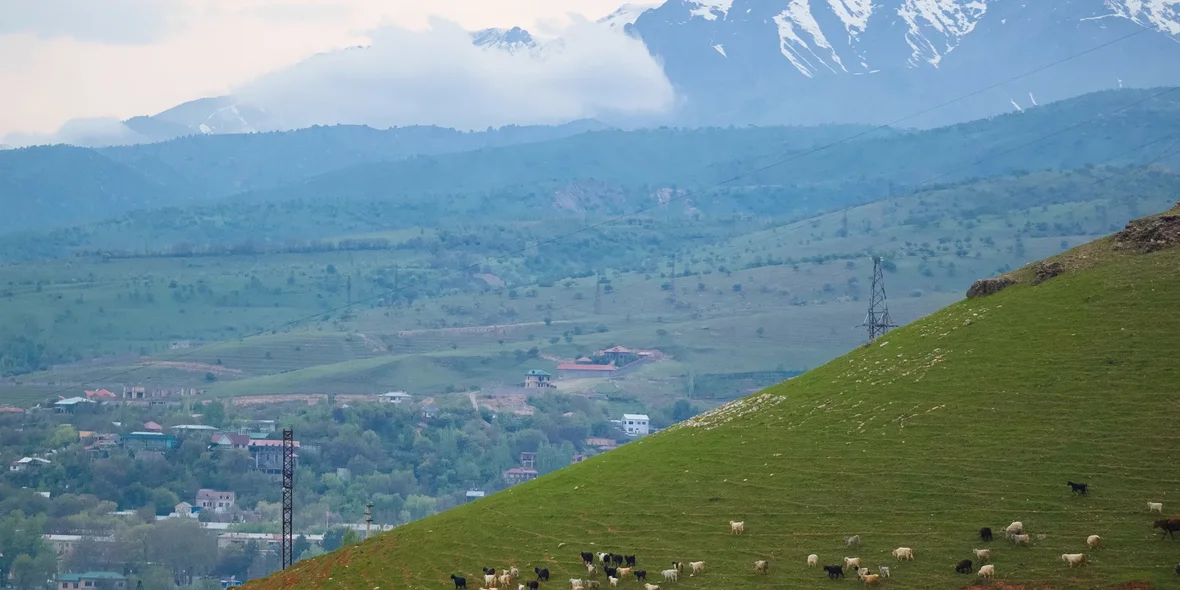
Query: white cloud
(95,132)
(111,21)
(438,77)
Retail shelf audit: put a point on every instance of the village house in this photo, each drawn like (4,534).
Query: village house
(102,445)
(270,541)
(268,455)
(618,356)
(152,427)
(429,412)
(473,495)
(147,441)
(99,395)
(519,475)
(10,410)
(602,444)
(262,425)
(635,424)
(28,463)
(91,580)
(70,405)
(185,510)
(134,392)
(215,501)
(394,397)
(537,378)
(222,441)
(576,371)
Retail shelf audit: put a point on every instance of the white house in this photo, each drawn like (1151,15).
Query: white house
(27,463)
(635,424)
(394,397)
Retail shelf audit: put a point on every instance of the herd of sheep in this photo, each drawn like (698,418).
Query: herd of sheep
(618,567)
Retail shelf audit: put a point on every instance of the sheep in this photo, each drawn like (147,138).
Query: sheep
(964,567)
(834,571)
(862,572)
(520,587)
(853,541)
(533,585)
(1093,541)
(1074,559)
(1155,507)
(812,560)
(489,580)
(593,584)
(618,560)
(591,570)
(736,527)
(604,557)
(985,534)
(884,571)
(697,567)
(587,557)
(871,579)
(678,566)
(611,572)
(515,572)
(762,566)
(489,571)
(1169,527)
(542,573)
(576,583)
(630,559)
(1077,488)
(459,582)
(1022,540)
(623,571)
(1015,528)
(640,575)
(505,580)
(671,575)
(650,587)
(614,582)
(988,571)
(903,554)
(983,554)
(852,562)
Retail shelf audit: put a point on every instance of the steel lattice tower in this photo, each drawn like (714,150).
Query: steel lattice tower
(288,495)
(877,320)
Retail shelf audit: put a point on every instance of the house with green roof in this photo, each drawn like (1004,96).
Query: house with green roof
(91,580)
(537,378)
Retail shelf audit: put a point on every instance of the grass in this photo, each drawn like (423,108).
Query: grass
(974,416)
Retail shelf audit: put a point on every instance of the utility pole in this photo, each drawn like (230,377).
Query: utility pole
(597,294)
(288,495)
(673,297)
(877,320)
(368,518)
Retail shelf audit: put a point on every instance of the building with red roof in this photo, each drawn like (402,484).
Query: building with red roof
(576,371)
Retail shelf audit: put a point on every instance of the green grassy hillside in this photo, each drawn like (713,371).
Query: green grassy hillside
(974,416)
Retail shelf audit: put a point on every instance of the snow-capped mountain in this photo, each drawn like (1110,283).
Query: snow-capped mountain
(807,61)
(625,16)
(510,40)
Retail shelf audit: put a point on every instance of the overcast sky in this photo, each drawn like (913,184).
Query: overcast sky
(69,59)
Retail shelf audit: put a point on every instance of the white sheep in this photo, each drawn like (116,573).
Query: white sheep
(983,554)
(761,566)
(576,583)
(1074,559)
(650,587)
(613,581)
(591,570)
(520,587)
(489,580)
(903,554)
(853,541)
(812,560)
(862,572)
(884,571)
(505,580)
(698,567)
(1021,540)
(515,572)
(671,575)
(602,557)
(1013,529)
(1155,507)
(988,571)
(851,562)
(593,584)
(1093,541)
(736,527)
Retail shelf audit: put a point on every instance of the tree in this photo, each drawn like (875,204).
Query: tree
(214,414)
(300,545)
(20,535)
(33,572)
(181,545)
(350,537)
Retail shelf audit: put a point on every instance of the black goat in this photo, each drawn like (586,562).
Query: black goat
(630,559)
(612,572)
(533,585)
(459,582)
(1077,488)
(834,571)
(618,560)
(490,571)
(1169,526)
(964,567)
(985,534)
(587,557)
(1178,569)
(542,573)
(640,575)
(676,565)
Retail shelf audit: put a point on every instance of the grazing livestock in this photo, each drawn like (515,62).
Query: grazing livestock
(650,587)
(1022,540)
(853,541)
(587,557)
(533,585)
(983,554)
(903,554)
(611,572)
(489,580)
(1178,569)
(630,559)
(1155,507)
(737,528)
(591,570)
(1093,541)
(671,575)
(871,579)
(1077,488)
(515,572)
(604,557)
(542,573)
(1169,527)
(988,571)
(697,567)
(964,567)
(1074,559)
(520,587)
(614,582)
(678,566)
(834,571)
(576,583)
(640,575)
(862,572)
(592,584)
(505,580)
(618,560)
(459,582)
(623,571)
(762,566)
(1015,528)
(985,534)
(852,562)
(884,571)
(489,571)
(812,560)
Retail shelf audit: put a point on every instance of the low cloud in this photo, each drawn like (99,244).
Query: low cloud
(96,132)
(438,77)
(108,21)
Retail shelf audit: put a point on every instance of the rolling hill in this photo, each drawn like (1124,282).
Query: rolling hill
(974,416)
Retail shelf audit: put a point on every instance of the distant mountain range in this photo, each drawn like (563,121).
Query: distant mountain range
(775,62)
